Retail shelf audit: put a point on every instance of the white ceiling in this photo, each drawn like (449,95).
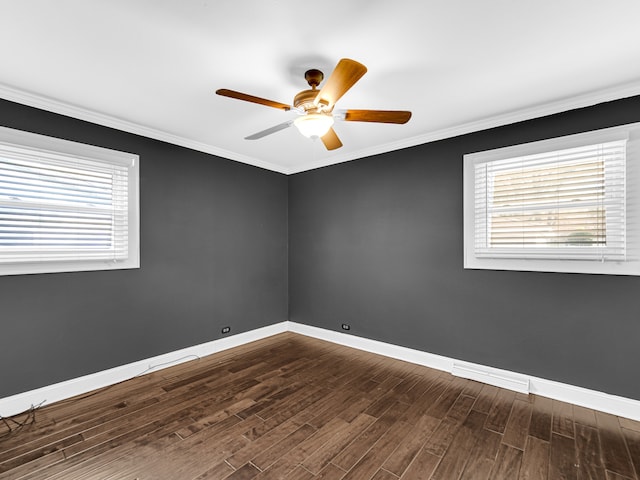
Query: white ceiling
(152,66)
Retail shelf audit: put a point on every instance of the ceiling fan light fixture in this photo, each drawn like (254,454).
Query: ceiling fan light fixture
(313,124)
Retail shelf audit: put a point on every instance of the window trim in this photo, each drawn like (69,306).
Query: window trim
(629,266)
(18,141)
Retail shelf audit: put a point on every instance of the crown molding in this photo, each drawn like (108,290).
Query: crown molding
(62,108)
(580,101)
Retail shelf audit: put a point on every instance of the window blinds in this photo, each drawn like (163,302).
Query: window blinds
(54,208)
(564,204)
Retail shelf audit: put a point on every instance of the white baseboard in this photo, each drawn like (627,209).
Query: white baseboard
(492,376)
(77,386)
(604,402)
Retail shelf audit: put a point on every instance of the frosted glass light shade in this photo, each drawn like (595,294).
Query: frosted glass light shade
(313,124)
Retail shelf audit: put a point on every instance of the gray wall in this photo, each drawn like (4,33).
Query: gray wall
(213,253)
(378,243)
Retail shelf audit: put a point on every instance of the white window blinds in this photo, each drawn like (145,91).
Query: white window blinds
(567,204)
(62,210)
(66,206)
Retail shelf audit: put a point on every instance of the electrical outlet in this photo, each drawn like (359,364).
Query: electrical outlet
(346,326)
(226,329)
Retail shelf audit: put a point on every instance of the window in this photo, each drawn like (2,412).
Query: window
(65,206)
(565,205)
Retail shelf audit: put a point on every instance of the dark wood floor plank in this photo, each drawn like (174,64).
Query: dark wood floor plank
(535,461)
(300,473)
(287,461)
(353,452)
(227,413)
(562,420)
(457,454)
(443,403)
(563,458)
(32,453)
(614,476)
(296,399)
(584,416)
(479,469)
(211,446)
(422,466)
(265,441)
(270,455)
(336,427)
(632,438)
(106,448)
(39,464)
(428,398)
(540,426)
(381,405)
(384,475)
(507,464)
(442,437)
(334,404)
(425,380)
(411,444)
(461,408)
(352,409)
(221,470)
(372,461)
(211,454)
(300,407)
(500,411)
(405,386)
(317,461)
(172,412)
(482,456)
(588,451)
(517,429)
(280,408)
(485,398)
(473,389)
(246,472)
(629,424)
(615,455)
(331,472)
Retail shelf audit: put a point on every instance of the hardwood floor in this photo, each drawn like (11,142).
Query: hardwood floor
(298,408)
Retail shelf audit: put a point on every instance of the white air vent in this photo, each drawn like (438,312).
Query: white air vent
(492,376)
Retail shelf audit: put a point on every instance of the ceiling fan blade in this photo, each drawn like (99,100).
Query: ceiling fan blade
(250,98)
(269,131)
(344,76)
(378,116)
(331,140)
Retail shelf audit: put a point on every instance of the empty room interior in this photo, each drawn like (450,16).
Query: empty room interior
(338,240)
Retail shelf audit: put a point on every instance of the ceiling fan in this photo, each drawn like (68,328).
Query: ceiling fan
(316,107)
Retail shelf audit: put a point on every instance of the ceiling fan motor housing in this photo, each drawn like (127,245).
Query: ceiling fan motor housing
(313,77)
(305,99)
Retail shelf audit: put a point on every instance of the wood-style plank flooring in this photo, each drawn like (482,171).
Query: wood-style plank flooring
(298,408)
